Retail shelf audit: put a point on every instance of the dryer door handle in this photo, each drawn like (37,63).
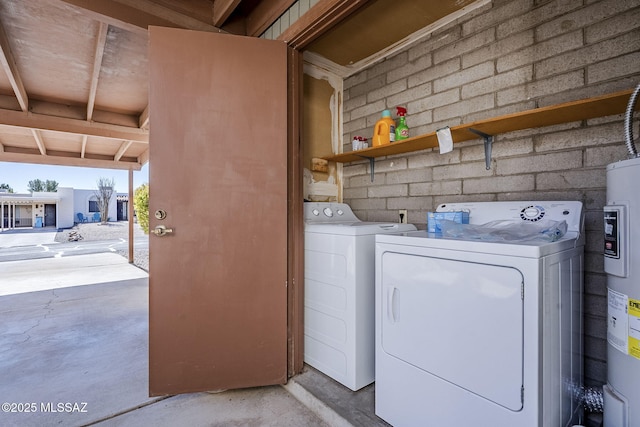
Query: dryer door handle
(392,303)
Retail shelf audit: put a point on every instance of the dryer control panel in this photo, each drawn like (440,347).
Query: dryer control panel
(531,211)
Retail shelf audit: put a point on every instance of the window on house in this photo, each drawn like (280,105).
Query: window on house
(93,206)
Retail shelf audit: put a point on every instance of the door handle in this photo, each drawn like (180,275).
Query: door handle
(392,304)
(161,230)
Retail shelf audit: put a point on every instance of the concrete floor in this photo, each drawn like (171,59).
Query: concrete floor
(335,403)
(74,352)
(27,237)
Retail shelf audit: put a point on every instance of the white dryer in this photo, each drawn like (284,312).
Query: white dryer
(473,332)
(339,279)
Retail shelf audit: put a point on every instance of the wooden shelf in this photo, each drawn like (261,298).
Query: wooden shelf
(615,103)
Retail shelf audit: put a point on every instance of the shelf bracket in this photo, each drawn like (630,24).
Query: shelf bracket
(372,164)
(488,142)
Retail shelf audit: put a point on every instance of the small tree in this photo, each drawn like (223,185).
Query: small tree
(103,196)
(49,185)
(36,185)
(141,205)
(6,187)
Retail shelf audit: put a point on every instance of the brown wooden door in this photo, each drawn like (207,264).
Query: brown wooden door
(218,168)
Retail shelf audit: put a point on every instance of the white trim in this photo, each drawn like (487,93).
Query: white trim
(349,70)
(335,105)
(336,108)
(29,200)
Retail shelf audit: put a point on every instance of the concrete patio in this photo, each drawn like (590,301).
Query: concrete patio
(77,355)
(74,352)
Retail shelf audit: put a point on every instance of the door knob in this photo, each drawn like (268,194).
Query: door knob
(161,230)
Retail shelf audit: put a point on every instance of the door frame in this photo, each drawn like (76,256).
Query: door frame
(295,268)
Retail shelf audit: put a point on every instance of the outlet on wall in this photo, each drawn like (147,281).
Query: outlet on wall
(402,216)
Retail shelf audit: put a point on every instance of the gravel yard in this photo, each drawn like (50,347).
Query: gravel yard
(109,231)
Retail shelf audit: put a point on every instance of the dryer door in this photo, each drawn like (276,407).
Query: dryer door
(457,320)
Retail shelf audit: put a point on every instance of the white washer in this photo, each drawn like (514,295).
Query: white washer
(477,332)
(339,292)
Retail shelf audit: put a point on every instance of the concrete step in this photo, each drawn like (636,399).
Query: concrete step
(334,403)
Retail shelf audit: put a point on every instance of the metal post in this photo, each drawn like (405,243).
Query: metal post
(130,216)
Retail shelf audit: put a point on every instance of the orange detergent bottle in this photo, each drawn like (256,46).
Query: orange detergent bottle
(385,130)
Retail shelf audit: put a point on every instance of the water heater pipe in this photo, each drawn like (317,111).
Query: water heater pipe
(628,124)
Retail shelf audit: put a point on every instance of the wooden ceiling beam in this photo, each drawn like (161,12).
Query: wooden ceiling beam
(39,141)
(174,16)
(144,118)
(265,14)
(222,9)
(73,126)
(144,157)
(79,112)
(138,15)
(118,15)
(318,20)
(83,150)
(123,149)
(62,160)
(11,69)
(97,64)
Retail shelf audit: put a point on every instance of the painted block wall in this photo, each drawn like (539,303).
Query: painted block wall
(297,9)
(509,56)
(65,212)
(81,204)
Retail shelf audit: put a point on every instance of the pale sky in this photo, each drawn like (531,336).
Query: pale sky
(18,175)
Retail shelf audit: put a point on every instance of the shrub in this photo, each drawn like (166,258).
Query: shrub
(141,205)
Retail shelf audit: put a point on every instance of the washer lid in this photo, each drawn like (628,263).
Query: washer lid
(359,228)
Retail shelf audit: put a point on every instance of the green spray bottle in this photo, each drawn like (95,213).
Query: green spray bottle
(402,130)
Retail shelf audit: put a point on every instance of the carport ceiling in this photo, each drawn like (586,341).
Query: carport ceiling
(73,78)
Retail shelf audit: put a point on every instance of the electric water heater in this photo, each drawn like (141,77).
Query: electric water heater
(622,265)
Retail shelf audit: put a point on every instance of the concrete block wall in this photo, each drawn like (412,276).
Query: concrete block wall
(81,204)
(65,212)
(291,15)
(509,56)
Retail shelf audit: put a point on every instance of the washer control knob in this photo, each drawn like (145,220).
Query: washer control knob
(316,212)
(328,212)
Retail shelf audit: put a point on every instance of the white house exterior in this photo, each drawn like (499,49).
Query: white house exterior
(56,209)
(86,202)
